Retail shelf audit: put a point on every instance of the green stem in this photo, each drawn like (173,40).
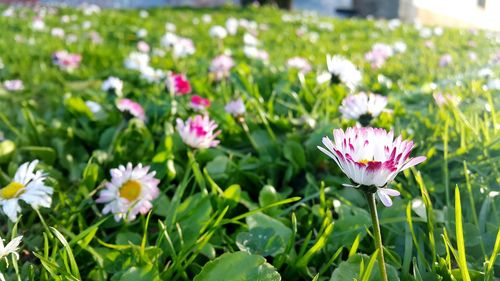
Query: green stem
(120,127)
(45,226)
(370,197)
(247,132)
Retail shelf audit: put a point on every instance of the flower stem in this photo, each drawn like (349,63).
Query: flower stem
(370,197)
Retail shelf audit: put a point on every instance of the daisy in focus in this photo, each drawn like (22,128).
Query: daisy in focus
(198,131)
(28,186)
(362,107)
(343,71)
(129,192)
(371,158)
(129,106)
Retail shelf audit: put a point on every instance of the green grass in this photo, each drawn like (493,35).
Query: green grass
(264,180)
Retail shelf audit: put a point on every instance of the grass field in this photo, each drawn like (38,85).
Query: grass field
(254,198)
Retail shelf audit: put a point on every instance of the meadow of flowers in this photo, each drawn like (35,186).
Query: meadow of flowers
(245,144)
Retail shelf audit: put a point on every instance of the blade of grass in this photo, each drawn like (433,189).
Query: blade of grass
(462,262)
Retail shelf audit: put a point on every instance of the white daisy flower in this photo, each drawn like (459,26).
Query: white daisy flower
(129,192)
(152,75)
(232,26)
(362,107)
(235,107)
(27,186)
(218,32)
(343,70)
(11,248)
(251,40)
(137,61)
(252,52)
(183,48)
(169,39)
(113,84)
(141,33)
(323,77)
(494,84)
(299,63)
(170,27)
(94,107)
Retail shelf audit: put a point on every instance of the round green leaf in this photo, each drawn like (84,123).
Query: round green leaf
(239,266)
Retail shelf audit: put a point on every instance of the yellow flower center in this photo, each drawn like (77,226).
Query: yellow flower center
(130,190)
(364,161)
(12,190)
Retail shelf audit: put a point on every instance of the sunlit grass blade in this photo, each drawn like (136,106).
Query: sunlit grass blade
(462,262)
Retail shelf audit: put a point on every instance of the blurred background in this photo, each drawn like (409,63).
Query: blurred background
(459,13)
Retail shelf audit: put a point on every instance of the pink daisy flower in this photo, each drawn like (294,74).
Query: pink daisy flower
(371,157)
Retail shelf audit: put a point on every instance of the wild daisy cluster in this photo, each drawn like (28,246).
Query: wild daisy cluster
(370,157)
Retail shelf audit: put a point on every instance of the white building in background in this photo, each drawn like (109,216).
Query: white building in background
(460,13)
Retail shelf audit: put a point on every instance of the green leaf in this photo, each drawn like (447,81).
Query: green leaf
(217,167)
(351,222)
(239,266)
(349,270)
(46,154)
(73,265)
(233,193)
(78,106)
(127,238)
(294,153)
(145,273)
(260,241)
(268,195)
(264,221)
